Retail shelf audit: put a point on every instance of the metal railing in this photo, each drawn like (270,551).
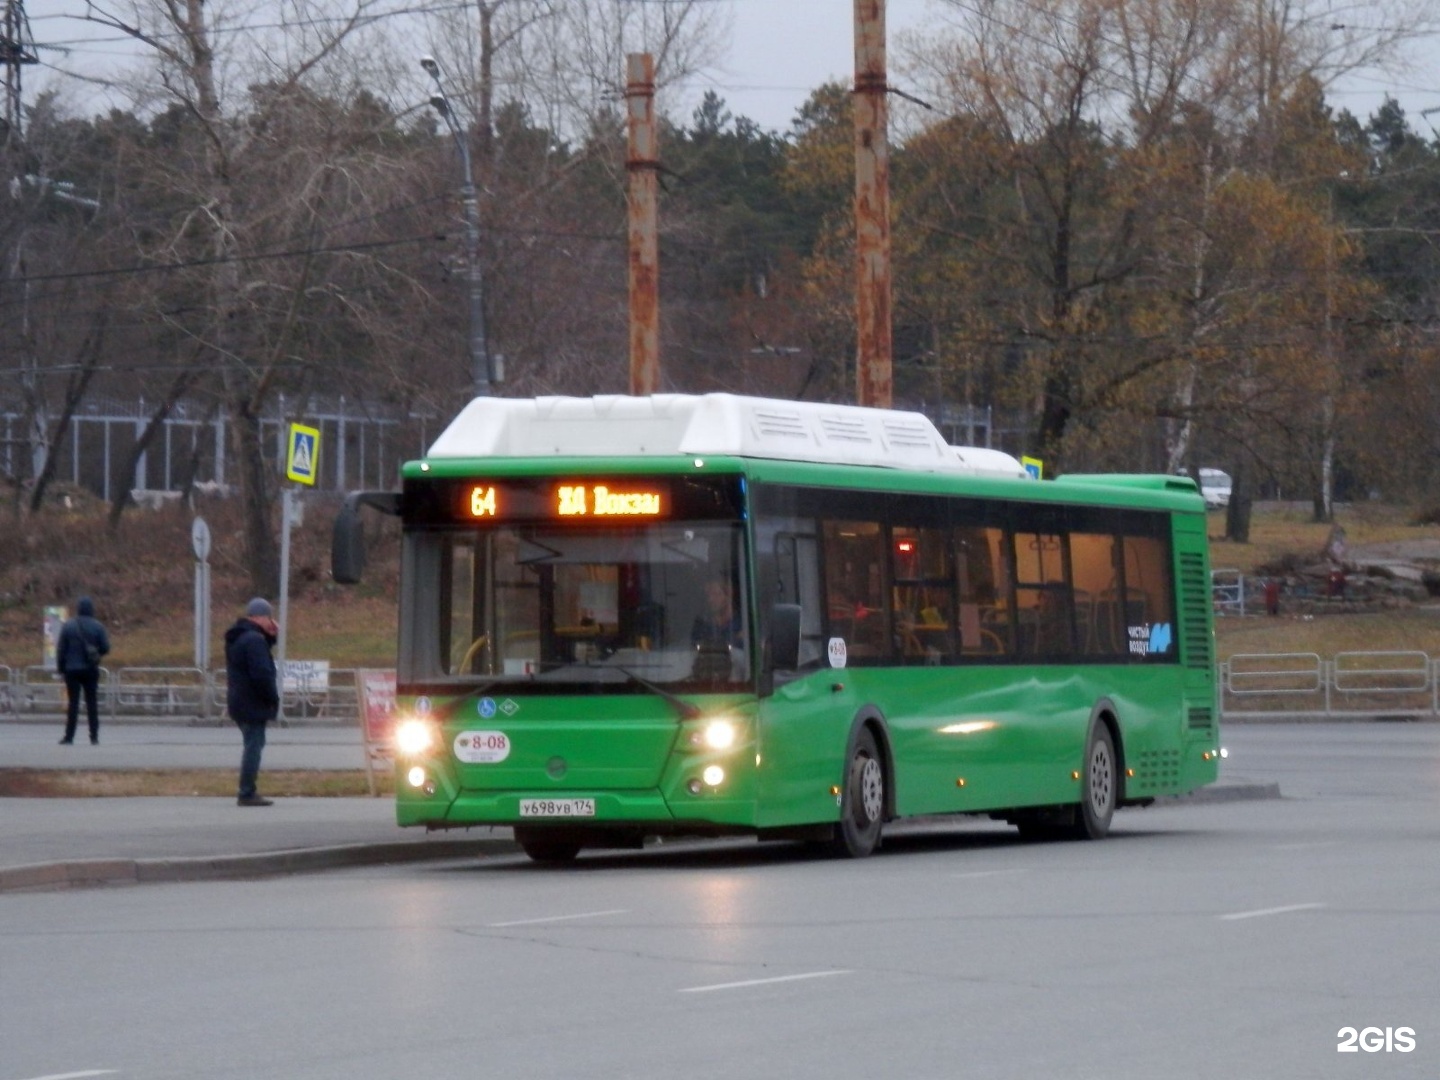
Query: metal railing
(7,690)
(160,692)
(172,694)
(1227,592)
(1255,686)
(1351,684)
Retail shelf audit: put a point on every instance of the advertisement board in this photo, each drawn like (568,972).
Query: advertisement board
(375,688)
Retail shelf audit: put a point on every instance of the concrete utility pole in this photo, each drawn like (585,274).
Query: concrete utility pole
(481,373)
(874,372)
(642,163)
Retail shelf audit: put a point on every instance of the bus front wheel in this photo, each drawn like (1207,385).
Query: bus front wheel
(547,847)
(862,800)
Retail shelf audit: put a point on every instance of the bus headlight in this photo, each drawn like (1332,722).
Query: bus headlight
(719,734)
(414,737)
(713,775)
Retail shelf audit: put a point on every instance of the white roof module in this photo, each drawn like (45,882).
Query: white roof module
(710,424)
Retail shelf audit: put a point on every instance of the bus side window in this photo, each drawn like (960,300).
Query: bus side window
(854,597)
(922,596)
(1148,586)
(983,587)
(1044,618)
(797,581)
(1095,571)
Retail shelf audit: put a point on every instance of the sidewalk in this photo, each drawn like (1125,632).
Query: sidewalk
(58,843)
(55,843)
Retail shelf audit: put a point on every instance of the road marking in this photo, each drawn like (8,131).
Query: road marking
(556,918)
(77,1075)
(1269,911)
(1306,845)
(761,982)
(991,873)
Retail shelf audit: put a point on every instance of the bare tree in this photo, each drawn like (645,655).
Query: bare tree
(260,167)
(1110,119)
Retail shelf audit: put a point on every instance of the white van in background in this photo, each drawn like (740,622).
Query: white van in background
(1215,487)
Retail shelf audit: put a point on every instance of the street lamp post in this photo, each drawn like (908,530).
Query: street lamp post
(480,371)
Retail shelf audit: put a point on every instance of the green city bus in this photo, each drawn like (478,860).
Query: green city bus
(627,617)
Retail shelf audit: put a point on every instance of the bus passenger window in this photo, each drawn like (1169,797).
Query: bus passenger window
(984,590)
(922,598)
(1148,589)
(1044,618)
(1095,573)
(853,580)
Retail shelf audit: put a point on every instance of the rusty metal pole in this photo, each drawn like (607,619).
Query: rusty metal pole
(874,373)
(642,164)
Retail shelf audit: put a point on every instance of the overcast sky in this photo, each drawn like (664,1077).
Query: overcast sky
(780,51)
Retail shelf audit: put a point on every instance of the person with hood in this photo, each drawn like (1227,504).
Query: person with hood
(252,691)
(78,651)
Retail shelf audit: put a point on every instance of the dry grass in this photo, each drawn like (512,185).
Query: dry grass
(1287,529)
(1280,529)
(142,578)
(1401,630)
(117,783)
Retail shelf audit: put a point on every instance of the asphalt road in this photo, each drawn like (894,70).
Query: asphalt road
(1227,939)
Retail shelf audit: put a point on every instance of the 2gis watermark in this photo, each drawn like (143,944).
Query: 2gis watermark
(1374,1040)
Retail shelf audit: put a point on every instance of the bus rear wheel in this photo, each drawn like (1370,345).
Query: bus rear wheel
(862,800)
(547,847)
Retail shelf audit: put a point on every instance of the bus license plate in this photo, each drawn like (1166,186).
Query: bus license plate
(557,807)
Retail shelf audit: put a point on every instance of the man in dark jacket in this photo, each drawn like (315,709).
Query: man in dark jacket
(252,692)
(82,643)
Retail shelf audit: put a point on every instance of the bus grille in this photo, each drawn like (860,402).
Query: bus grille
(1202,718)
(1156,770)
(843,429)
(1195,602)
(781,425)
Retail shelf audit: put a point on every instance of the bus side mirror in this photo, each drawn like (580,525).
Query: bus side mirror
(347,546)
(785,637)
(347,541)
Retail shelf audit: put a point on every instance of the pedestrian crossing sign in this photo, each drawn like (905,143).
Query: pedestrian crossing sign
(302,463)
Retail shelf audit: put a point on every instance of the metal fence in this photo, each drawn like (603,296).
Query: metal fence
(1227,591)
(1305,686)
(173,695)
(1253,686)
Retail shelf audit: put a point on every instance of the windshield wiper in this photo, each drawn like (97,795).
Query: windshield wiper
(688,710)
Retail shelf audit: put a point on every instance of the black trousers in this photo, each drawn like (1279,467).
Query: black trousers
(254,735)
(87,681)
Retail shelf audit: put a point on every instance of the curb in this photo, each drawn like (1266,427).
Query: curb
(83,873)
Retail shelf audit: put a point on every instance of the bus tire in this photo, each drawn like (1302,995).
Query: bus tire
(1099,785)
(547,847)
(862,800)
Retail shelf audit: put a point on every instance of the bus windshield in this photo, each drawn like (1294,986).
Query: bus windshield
(659,603)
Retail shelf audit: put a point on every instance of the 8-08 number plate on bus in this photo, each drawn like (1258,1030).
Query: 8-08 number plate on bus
(530,808)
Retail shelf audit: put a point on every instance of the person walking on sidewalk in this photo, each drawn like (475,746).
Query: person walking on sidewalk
(82,644)
(252,692)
